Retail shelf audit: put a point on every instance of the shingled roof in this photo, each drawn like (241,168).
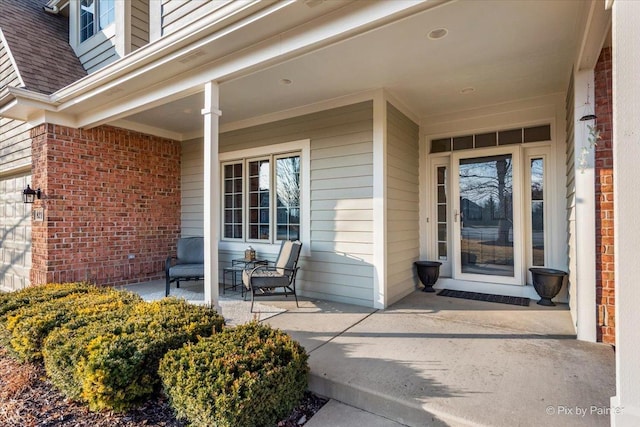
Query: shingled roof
(39,43)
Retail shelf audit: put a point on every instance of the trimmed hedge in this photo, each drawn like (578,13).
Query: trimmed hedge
(65,346)
(12,301)
(113,363)
(29,325)
(250,375)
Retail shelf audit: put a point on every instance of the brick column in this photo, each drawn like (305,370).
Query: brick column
(605,293)
(111,202)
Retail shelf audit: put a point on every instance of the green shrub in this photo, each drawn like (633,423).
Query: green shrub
(65,346)
(113,363)
(250,375)
(14,300)
(11,301)
(30,325)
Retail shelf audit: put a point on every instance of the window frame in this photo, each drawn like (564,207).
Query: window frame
(247,207)
(273,152)
(107,34)
(97,24)
(543,153)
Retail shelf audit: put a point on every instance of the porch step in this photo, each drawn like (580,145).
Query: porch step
(401,411)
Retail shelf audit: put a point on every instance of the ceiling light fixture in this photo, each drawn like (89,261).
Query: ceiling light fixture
(438,33)
(467,90)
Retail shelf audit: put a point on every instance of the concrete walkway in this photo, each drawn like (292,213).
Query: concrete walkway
(431,360)
(437,361)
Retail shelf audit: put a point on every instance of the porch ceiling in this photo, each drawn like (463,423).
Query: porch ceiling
(504,50)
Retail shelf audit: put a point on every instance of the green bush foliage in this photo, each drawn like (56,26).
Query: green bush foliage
(113,363)
(12,301)
(251,375)
(65,346)
(30,325)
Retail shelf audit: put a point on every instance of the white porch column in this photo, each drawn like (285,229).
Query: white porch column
(584,276)
(211,113)
(380,294)
(626,159)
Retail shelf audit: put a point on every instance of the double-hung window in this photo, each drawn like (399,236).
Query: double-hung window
(95,15)
(261,198)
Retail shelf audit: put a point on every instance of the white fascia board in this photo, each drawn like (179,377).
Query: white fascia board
(342,24)
(596,28)
(20,104)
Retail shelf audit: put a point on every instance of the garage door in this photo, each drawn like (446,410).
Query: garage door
(15,229)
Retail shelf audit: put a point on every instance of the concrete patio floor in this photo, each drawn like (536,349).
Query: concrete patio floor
(432,360)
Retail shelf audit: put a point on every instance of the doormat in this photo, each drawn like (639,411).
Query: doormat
(477,296)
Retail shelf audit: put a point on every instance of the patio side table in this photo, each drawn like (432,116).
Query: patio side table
(235,272)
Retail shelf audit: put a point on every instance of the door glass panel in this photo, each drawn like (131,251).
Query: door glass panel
(442,212)
(441,184)
(537,211)
(486,205)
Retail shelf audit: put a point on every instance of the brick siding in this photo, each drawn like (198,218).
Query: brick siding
(605,292)
(107,193)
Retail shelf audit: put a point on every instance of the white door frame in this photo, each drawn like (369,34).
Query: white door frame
(518,211)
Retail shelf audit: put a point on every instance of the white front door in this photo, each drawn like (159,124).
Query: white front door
(486,212)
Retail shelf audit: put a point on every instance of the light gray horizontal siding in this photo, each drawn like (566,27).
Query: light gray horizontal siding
(339,267)
(101,55)
(178,13)
(191,184)
(15,144)
(403,245)
(139,23)
(8,74)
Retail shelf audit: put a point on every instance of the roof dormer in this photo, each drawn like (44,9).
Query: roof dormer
(102,31)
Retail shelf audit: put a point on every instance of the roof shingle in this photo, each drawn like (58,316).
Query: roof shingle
(39,43)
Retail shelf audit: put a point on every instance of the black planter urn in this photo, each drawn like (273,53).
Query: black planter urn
(428,272)
(547,283)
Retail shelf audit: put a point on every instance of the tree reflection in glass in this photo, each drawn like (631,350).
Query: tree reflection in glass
(486,204)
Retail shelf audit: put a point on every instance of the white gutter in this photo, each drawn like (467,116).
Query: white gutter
(194,37)
(153,55)
(55,6)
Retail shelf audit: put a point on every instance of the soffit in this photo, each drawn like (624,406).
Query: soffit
(505,50)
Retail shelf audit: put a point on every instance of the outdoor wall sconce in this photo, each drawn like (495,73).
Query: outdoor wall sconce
(29,194)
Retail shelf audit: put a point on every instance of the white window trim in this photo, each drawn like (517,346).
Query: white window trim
(543,153)
(302,146)
(99,37)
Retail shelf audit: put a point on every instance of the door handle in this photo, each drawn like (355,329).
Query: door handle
(455,216)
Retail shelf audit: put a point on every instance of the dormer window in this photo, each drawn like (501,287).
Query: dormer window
(95,15)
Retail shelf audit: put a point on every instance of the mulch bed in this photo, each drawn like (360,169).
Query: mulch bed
(27,399)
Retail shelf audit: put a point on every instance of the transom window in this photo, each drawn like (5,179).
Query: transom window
(95,15)
(261,198)
(492,139)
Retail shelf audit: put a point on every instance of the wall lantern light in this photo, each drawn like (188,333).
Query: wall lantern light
(29,194)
